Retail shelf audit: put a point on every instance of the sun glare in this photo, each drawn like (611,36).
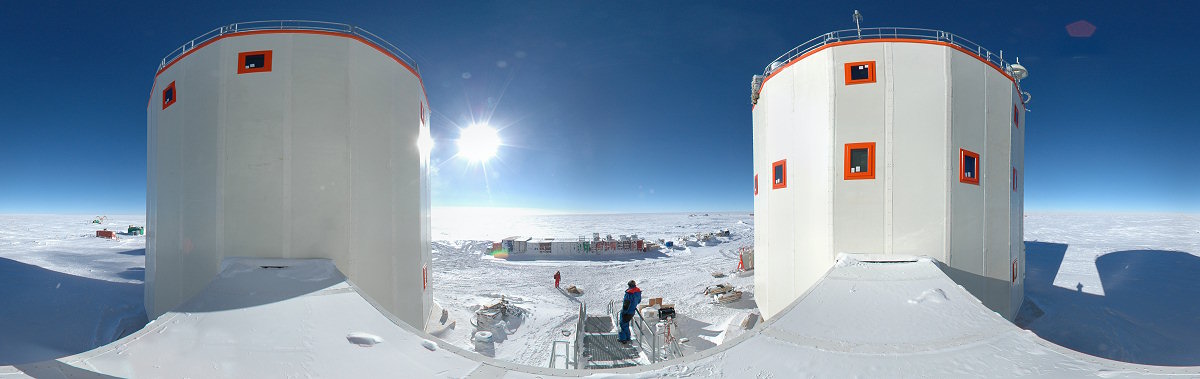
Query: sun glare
(478,142)
(425,142)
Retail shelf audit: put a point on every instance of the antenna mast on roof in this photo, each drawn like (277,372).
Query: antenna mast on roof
(857,20)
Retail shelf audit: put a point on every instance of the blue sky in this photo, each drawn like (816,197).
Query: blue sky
(610,106)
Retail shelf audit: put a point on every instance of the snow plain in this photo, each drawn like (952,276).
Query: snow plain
(1117,286)
(465,277)
(62,289)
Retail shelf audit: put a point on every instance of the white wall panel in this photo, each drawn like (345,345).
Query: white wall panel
(927,102)
(1017,203)
(918,163)
(780,226)
(198,139)
(966,222)
(812,192)
(858,116)
(762,274)
(998,188)
(316,158)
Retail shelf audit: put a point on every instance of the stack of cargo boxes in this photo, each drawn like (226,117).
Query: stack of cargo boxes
(545,246)
(583,246)
(514,244)
(518,245)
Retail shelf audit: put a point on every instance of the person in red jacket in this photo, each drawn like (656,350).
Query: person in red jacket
(557,277)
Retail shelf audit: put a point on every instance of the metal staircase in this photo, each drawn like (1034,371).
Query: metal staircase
(596,345)
(600,346)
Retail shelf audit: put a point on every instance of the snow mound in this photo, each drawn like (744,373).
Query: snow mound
(364,339)
(429,345)
(935,295)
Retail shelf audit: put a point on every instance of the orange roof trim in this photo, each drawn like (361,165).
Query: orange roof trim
(899,40)
(292,31)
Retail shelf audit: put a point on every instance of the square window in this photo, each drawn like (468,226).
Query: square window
(168,96)
(254,61)
(860,72)
(779,179)
(860,161)
(968,167)
(756,184)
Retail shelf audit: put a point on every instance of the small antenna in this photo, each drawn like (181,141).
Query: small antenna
(857,20)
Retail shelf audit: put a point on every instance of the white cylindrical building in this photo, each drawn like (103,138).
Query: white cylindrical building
(893,142)
(289,140)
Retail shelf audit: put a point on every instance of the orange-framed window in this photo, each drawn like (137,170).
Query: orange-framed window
(756,184)
(968,167)
(1014,179)
(860,72)
(1016,117)
(779,174)
(254,61)
(860,161)
(169,95)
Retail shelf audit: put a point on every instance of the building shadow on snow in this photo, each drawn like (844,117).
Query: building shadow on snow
(698,332)
(1148,313)
(1042,262)
(137,252)
(56,369)
(249,283)
(1159,293)
(133,273)
(48,314)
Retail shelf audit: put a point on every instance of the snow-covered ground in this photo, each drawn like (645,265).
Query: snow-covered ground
(1121,286)
(1117,286)
(465,277)
(62,289)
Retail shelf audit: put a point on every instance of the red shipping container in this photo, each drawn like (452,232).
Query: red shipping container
(106,234)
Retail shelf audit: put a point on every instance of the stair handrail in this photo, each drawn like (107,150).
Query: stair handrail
(643,329)
(554,353)
(579,328)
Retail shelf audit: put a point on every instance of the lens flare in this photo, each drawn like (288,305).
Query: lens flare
(425,142)
(478,142)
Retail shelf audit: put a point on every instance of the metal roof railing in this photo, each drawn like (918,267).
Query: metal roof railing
(887,32)
(288,25)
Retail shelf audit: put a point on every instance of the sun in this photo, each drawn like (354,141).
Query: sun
(478,142)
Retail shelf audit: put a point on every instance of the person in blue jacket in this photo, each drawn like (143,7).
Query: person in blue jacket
(633,296)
